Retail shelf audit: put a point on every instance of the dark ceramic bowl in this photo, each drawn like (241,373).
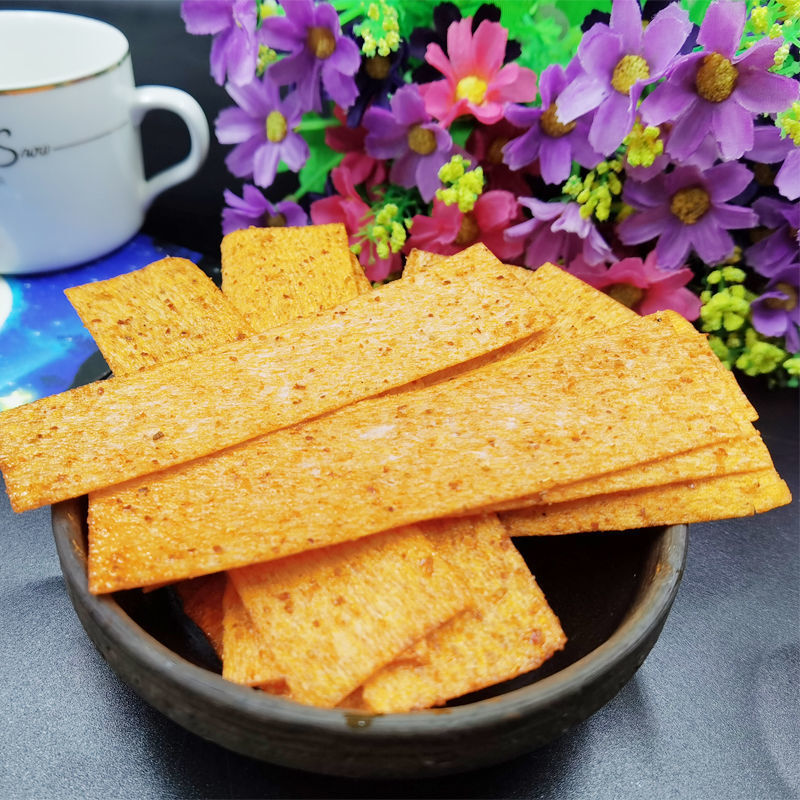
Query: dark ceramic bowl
(612,592)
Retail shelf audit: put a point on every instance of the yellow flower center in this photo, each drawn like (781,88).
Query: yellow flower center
(789,304)
(644,145)
(551,126)
(276,126)
(472,88)
(469,230)
(716,78)
(321,42)
(689,205)
(378,67)
(421,140)
(276,221)
(629,69)
(625,293)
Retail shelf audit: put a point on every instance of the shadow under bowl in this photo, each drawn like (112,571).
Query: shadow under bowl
(611,591)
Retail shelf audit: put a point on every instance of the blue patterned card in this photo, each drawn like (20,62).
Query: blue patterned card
(42,340)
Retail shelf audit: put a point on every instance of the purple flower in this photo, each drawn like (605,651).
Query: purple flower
(262,128)
(378,79)
(777,312)
(787,181)
(558,233)
(769,147)
(782,246)
(407,134)
(234,50)
(254,209)
(618,62)
(319,55)
(685,210)
(555,144)
(717,91)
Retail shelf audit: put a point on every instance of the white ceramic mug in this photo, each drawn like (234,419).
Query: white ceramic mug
(72,183)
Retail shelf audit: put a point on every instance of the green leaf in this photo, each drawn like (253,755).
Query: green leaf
(576,10)
(548,30)
(321,161)
(460,131)
(415,14)
(697,9)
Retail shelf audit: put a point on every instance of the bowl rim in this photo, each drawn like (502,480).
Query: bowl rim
(652,605)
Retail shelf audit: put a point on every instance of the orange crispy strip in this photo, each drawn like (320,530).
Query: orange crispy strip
(273,275)
(730,457)
(250,657)
(419,260)
(362,282)
(166,311)
(511,629)
(590,310)
(520,426)
(202,603)
(156,305)
(247,656)
(101,435)
(330,618)
(575,305)
(734,456)
(719,497)
(586,311)
(576,308)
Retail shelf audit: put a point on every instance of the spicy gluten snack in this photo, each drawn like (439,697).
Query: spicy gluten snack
(359,554)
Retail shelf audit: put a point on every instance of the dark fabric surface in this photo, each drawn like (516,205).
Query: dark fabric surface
(713,712)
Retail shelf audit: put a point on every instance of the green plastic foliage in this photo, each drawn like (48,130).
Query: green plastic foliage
(548,30)
(697,9)
(321,159)
(576,10)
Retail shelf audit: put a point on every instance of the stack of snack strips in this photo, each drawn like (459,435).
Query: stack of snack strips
(330,474)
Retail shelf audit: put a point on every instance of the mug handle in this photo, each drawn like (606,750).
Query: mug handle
(147,98)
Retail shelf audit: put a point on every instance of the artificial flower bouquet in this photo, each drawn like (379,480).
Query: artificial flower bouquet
(652,150)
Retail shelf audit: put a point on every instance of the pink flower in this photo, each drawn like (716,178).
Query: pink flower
(362,167)
(447,230)
(348,208)
(556,232)
(641,285)
(475,80)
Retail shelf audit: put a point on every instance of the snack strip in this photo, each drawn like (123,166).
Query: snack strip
(489,562)
(332,617)
(510,630)
(167,311)
(101,435)
(520,426)
(718,497)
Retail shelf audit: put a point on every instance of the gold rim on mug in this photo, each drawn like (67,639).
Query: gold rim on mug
(46,87)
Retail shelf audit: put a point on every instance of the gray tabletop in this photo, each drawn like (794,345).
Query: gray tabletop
(712,713)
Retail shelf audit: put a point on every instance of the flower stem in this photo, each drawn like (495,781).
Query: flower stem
(349,16)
